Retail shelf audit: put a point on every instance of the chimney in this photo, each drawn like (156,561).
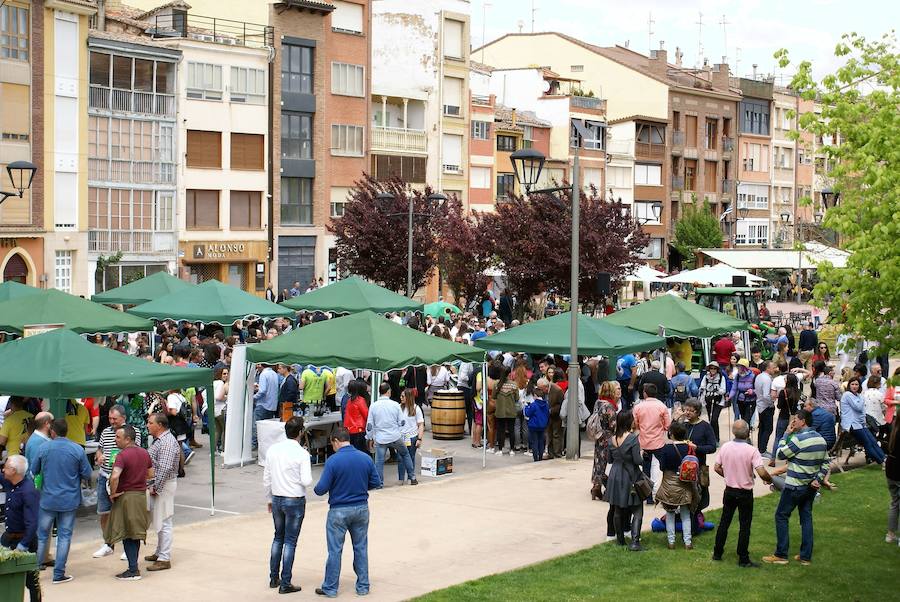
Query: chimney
(658,61)
(101,15)
(721,79)
(678,55)
(513,118)
(754,70)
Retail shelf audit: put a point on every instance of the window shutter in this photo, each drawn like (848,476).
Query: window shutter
(347,16)
(204,149)
(453,38)
(247,151)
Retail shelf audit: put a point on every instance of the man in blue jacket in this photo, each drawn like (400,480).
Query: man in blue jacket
(63,464)
(22,501)
(347,478)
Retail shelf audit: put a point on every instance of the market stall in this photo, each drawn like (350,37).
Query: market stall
(141,291)
(352,295)
(10,289)
(53,307)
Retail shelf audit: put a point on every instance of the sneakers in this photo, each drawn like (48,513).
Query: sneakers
(499,452)
(189,457)
(288,589)
(151,558)
(801,561)
(512,453)
(748,565)
(773,559)
(890,538)
(63,579)
(104,550)
(413,482)
(160,565)
(129,576)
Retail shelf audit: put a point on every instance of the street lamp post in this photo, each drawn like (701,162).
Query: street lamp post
(21,174)
(384,198)
(527,164)
(743,211)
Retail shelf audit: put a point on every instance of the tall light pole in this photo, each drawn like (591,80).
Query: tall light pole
(385,198)
(527,164)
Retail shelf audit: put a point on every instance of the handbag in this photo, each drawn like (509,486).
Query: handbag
(643,486)
(704,476)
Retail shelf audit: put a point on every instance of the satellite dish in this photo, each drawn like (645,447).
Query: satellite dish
(546,85)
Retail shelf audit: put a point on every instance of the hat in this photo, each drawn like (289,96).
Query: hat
(744,362)
(712,365)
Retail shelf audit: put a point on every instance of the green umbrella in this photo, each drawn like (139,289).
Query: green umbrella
(13,290)
(211,301)
(552,335)
(352,295)
(441,309)
(680,318)
(56,307)
(362,340)
(140,291)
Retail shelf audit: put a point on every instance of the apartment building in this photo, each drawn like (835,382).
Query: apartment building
(420,93)
(785,166)
(43,87)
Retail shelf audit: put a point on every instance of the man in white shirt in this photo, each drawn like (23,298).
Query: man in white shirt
(384,429)
(875,370)
(287,474)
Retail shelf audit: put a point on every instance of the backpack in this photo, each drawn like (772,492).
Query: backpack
(689,470)
(595,425)
(680,395)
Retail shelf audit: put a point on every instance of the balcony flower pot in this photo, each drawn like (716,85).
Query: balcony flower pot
(13,566)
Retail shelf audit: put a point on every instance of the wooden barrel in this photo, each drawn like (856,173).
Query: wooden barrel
(448,415)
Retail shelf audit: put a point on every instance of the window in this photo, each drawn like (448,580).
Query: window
(347,17)
(506,183)
(618,177)
(650,134)
(348,80)
(453,96)
(587,134)
(296,135)
(527,136)
(248,85)
(712,136)
(347,140)
(551,177)
(410,169)
(164,212)
(204,80)
(248,151)
(296,69)
(15,116)
(752,232)
(710,180)
(296,201)
(63,271)
(653,250)
(202,209)
(592,176)
(14,33)
(481,130)
(643,210)
(576,68)
(453,39)
(339,197)
(690,131)
(451,146)
(506,143)
(647,174)
(204,149)
(783,157)
(245,210)
(690,174)
(480,177)
(756,157)
(753,196)
(755,117)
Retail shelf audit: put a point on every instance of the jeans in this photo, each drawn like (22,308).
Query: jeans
(713,410)
(685,512)
(747,408)
(402,453)
(766,418)
(536,443)
(32,578)
(620,517)
(780,427)
(358,440)
(402,473)
(132,547)
(865,438)
(340,520)
(627,394)
(506,426)
(521,429)
(649,456)
(260,413)
(894,508)
(742,501)
(801,498)
(287,515)
(65,521)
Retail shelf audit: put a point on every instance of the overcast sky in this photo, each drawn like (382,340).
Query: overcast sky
(755,29)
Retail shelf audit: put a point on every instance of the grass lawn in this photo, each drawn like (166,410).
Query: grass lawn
(851,561)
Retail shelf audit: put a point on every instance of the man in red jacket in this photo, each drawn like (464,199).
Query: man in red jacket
(722,350)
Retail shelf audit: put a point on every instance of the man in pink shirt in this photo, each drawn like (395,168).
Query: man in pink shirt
(651,417)
(737,461)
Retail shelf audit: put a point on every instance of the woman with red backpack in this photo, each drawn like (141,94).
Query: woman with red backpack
(678,491)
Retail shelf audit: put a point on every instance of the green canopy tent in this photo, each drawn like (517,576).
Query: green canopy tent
(212,302)
(56,307)
(352,295)
(60,365)
(679,318)
(364,340)
(13,290)
(441,309)
(140,291)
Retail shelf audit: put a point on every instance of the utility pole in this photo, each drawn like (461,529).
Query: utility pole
(724,23)
(700,41)
(650,23)
(533,10)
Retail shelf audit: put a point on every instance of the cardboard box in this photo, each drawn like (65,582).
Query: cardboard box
(436,463)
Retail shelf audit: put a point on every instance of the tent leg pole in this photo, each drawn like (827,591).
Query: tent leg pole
(211,422)
(484,404)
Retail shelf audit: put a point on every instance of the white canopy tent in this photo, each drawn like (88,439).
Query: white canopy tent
(645,273)
(716,275)
(788,259)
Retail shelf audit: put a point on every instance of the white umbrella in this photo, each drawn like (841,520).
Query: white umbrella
(645,273)
(719,274)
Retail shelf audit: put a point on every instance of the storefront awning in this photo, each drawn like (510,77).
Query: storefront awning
(756,259)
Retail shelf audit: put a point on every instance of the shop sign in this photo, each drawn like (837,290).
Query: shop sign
(224,250)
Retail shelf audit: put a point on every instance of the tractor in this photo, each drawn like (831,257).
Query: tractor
(740,303)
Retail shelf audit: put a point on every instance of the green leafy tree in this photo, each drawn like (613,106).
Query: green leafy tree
(859,110)
(697,228)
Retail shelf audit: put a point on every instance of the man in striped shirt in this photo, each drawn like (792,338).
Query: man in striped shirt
(807,455)
(104,458)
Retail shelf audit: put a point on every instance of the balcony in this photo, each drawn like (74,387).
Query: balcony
(399,140)
(126,241)
(178,24)
(452,169)
(653,151)
(131,101)
(677,143)
(727,187)
(620,148)
(586,102)
(131,172)
(677,182)
(727,148)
